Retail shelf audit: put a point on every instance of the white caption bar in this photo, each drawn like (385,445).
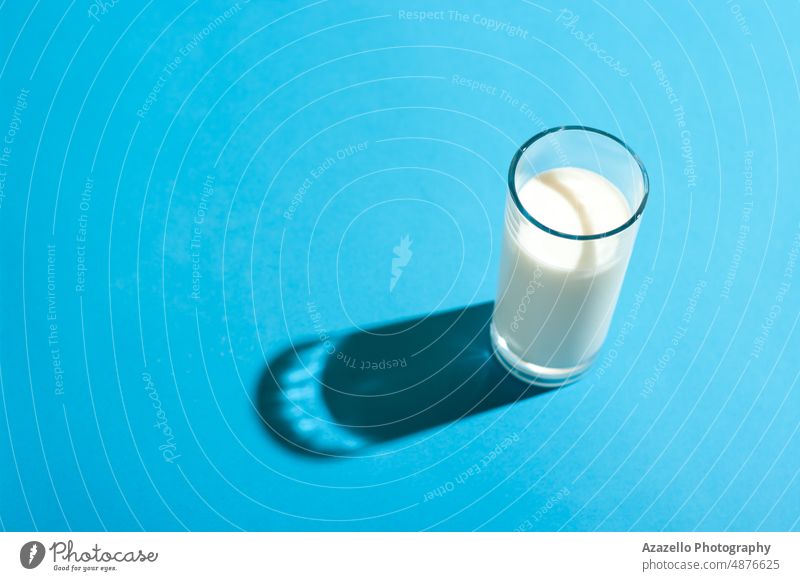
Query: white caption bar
(380,556)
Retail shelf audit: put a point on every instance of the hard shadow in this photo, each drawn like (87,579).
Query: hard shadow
(336,396)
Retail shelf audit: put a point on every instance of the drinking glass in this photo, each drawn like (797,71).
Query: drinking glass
(558,289)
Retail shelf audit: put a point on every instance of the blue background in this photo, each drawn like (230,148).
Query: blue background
(690,420)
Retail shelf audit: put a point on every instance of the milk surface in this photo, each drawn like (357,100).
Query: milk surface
(557,295)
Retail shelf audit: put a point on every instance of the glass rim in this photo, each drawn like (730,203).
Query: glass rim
(512,186)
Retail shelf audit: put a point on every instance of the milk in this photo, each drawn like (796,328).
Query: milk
(556,295)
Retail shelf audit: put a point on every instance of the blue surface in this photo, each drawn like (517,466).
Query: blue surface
(690,419)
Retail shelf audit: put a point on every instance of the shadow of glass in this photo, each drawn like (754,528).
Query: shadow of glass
(337,396)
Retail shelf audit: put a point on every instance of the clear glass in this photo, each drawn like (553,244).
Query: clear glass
(558,287)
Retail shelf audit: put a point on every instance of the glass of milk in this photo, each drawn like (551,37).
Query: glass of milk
(575,198)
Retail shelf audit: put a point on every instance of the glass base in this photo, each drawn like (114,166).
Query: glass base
(538,375)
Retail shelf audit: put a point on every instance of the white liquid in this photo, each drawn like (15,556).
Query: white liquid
(557,295)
